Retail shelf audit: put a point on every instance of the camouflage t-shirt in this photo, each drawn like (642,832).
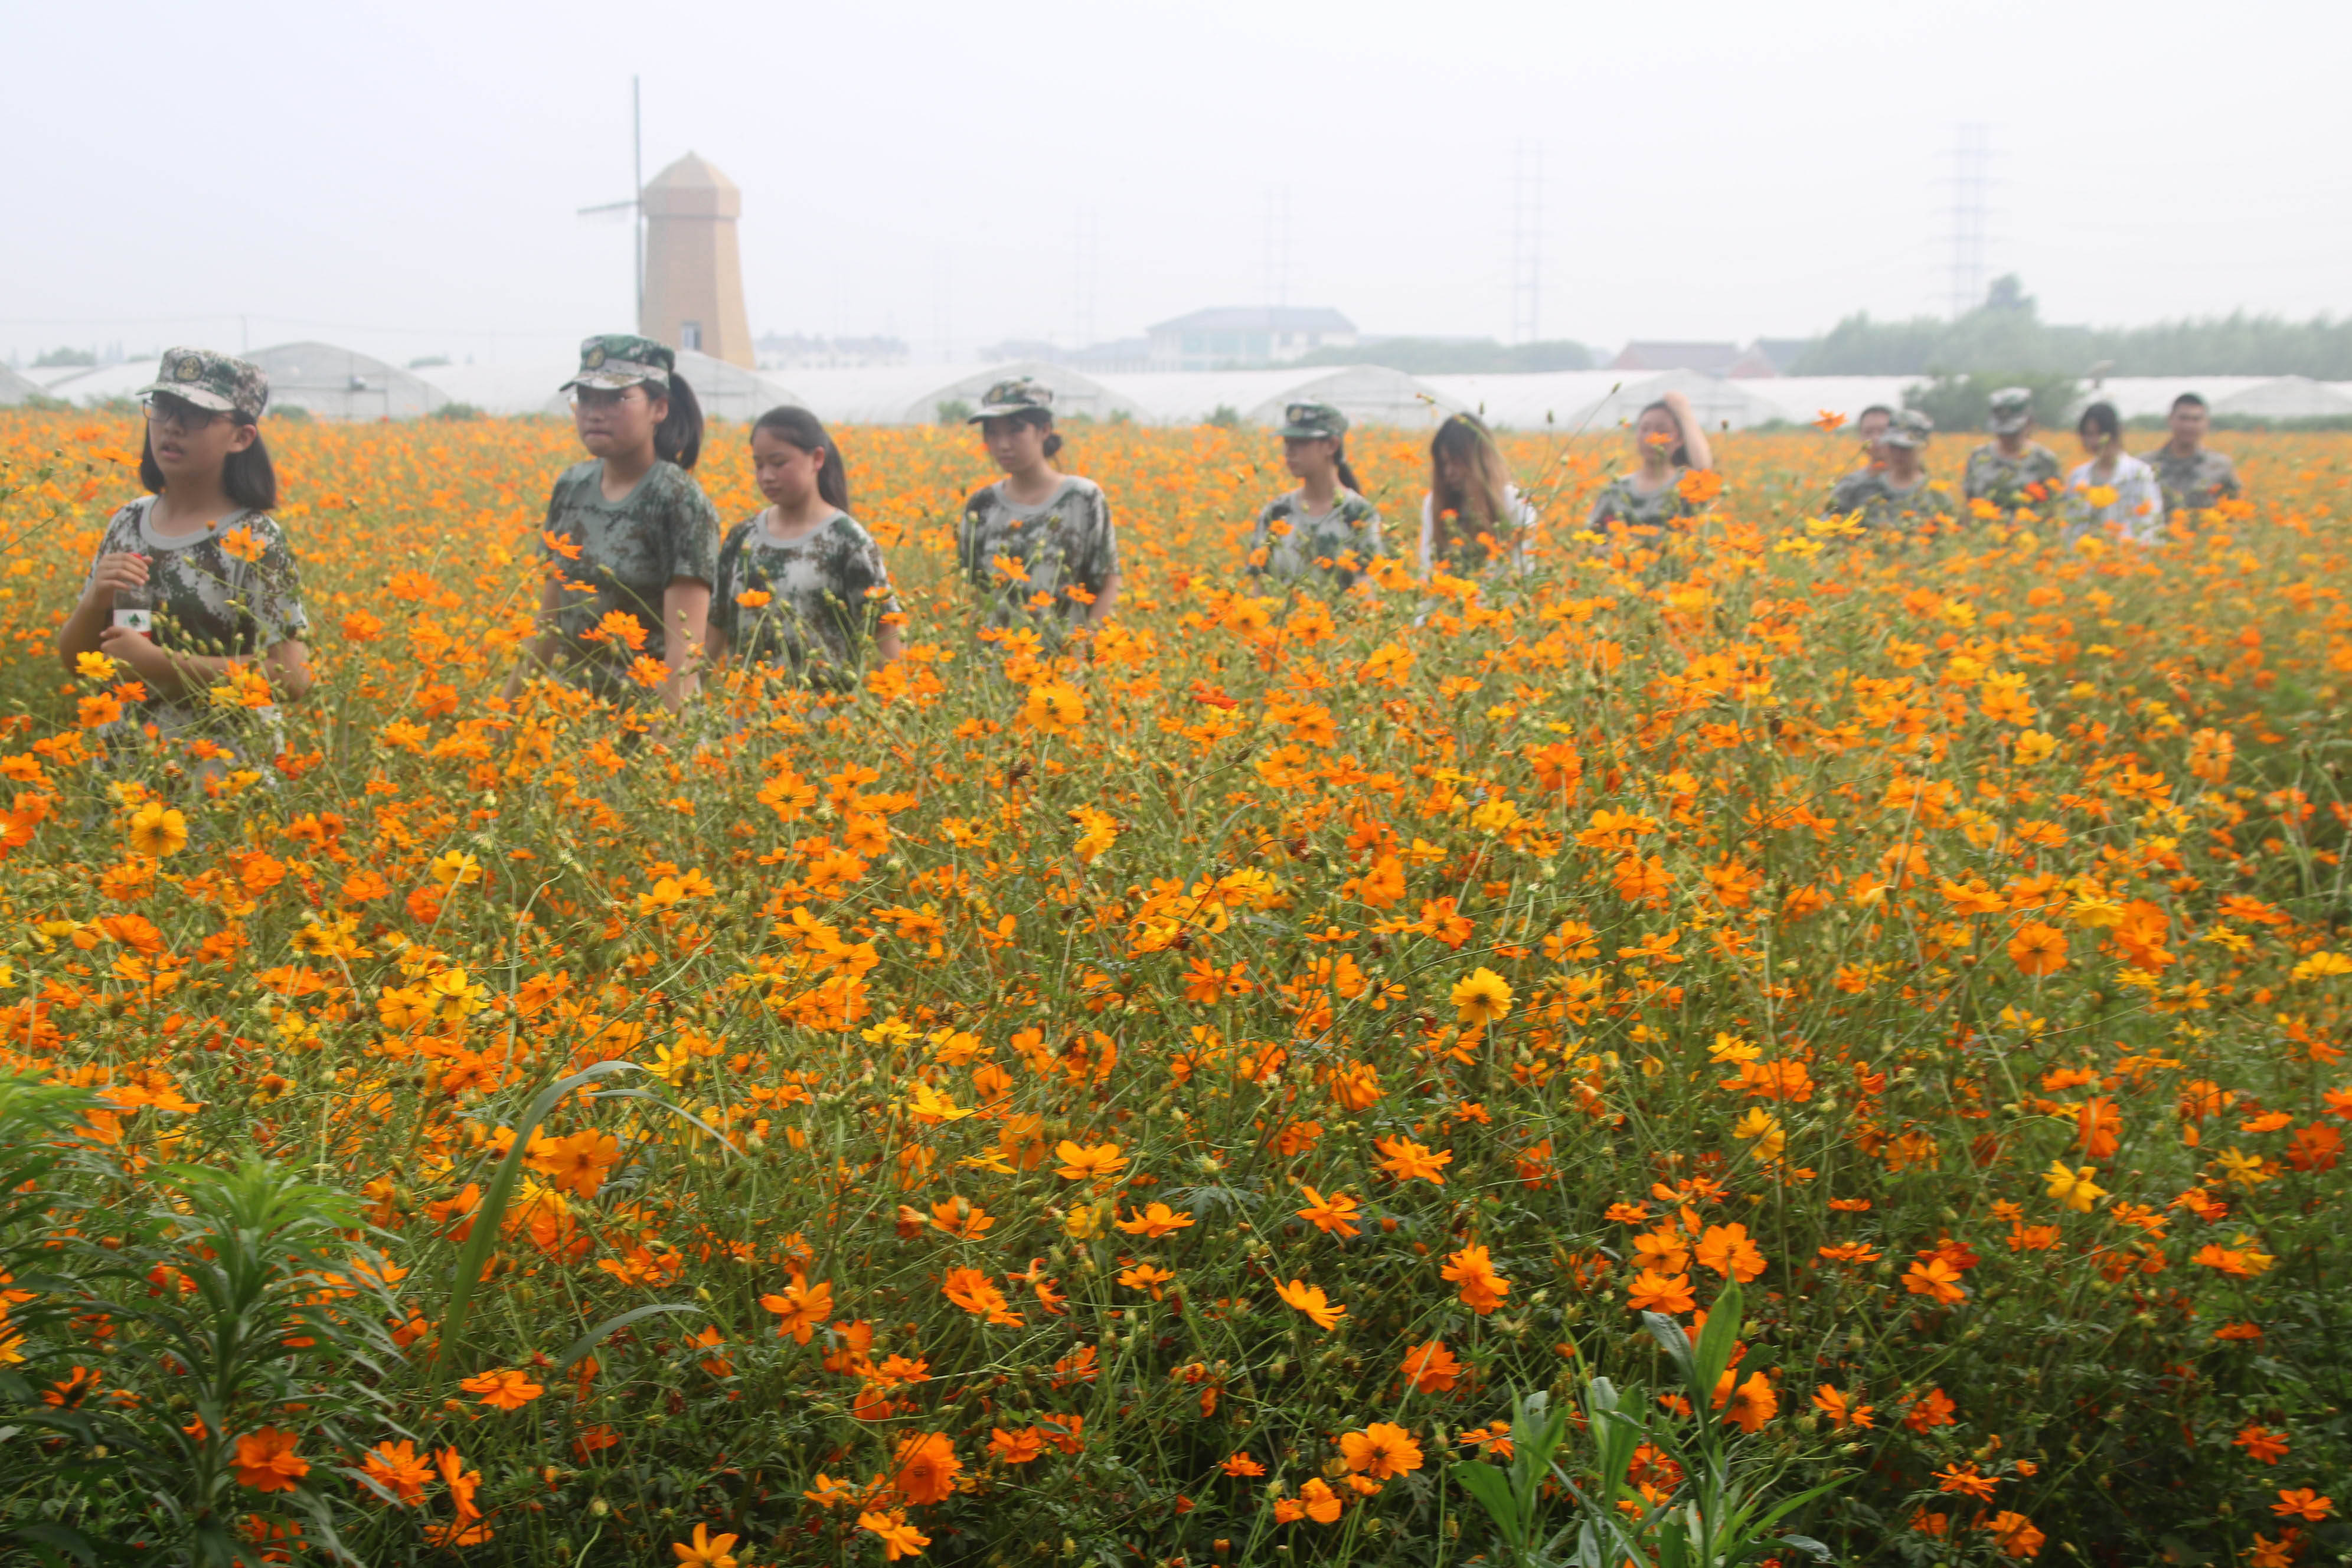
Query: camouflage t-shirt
(627,552)
(1352,526)
(1064,541)
(230,591)
(1884,504)
(821,610)
(1994,476)
(1618,501)
(2197,482)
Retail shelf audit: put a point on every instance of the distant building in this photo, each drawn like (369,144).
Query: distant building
(1244,335)
(1784,353)
(694,268)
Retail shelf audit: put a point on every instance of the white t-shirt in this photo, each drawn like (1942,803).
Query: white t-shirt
(1522,516)
(2137,512)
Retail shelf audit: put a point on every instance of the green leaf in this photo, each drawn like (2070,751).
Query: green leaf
(1715,1342)
(595,1336)
(1494,1494)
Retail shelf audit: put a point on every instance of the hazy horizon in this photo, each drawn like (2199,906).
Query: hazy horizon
(406,181)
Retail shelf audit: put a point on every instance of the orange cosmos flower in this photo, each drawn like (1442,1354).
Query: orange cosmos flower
(706,1551)
(1480,1288)
(1935,1279)
(1015,1447)
(2262,1444)
(1334,1215)
(1726,1249)
(1431,1368)
(503,1390)
(927,1466)
(266,1462)
(1094,1162)
(900,1539)
(1381,1451)
(2303,1502)
(2038,949)
(800,1309)
(1406,1160)
(1653,1292)
(2015,1535)
(1963,1480)
(1841,1408)
(1241,1467)
(1156,1221)
(399,1469)
(1753,1402)
(1310,1299)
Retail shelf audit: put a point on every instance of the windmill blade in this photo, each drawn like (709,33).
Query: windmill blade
(608,208)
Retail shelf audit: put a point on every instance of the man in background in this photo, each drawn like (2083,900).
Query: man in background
(2012,470)
(2194,477)
(1894,493)
(1872,428)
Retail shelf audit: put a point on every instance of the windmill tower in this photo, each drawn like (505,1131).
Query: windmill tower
(694,269)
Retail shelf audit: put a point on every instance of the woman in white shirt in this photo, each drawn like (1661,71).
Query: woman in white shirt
(2129,502)
(1474,519)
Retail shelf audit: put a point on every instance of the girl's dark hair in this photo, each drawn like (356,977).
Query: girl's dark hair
(1680,456)
(1480,506)
(1339,461)
(678,438)
(799,428)
(2102,417)
(247,478)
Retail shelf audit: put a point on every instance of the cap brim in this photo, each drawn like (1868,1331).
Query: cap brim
(1000,410)
(188,392)
(611,380)
(1908,443)
(1307,433)
(2009,424)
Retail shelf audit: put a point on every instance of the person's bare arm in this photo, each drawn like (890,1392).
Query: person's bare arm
(686,632)
(889,644)
(1694,445)
(86,626)
(286,665)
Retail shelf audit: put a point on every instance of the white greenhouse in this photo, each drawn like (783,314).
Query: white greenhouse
(330,383)
(14,388)
(914,394)
(1367,394)
(87,387)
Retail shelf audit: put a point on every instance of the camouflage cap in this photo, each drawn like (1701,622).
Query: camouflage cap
(611,360)
(1313,421)
(1021,396)
(1910,429)
(2012,410)
(216,381)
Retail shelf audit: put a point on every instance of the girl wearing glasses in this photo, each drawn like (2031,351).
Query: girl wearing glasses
(1326,525)
(193,589)
(633,542)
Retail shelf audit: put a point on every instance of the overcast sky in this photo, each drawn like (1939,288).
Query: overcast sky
(404,179)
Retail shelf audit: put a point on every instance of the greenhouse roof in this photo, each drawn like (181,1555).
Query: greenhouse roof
(14,388)
(1367,394)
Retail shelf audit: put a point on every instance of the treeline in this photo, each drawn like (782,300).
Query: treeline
(2006,333)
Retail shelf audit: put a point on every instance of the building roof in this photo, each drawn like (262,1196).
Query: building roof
(691,173)
(88,386)
(1259,319)
(1715,358)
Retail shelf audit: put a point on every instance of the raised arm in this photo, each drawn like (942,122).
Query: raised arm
(1694,447)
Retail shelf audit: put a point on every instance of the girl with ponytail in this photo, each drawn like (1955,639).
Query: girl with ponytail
(1325,526)
(633,542)
(801,586)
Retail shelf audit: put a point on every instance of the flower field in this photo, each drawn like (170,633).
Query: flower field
(1170,1102)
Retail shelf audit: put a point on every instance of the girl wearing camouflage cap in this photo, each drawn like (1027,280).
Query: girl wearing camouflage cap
(633,542)
(1037,545)
(802,586)
(194,580)
(1324,525)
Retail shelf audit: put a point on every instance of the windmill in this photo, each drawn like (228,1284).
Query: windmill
(635,206)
